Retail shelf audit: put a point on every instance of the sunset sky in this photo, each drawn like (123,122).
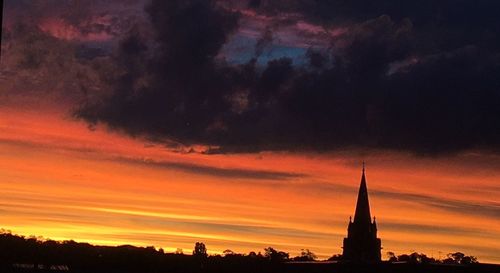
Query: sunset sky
(244,124)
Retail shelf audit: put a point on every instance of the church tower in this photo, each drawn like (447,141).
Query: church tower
(362,244)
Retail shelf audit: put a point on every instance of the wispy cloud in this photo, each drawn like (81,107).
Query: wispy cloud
(235,173)
(489,209)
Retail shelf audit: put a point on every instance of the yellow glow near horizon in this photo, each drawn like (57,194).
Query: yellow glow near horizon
(62,181)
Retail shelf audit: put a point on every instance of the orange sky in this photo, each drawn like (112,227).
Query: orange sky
(60,180)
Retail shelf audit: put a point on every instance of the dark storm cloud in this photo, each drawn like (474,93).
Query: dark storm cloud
(424,12)
(86,17)
(407,76)
(58,50)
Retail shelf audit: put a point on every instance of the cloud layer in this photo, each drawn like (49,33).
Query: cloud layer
(411,77)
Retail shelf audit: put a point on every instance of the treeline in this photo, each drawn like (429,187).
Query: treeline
(18,252)
(23,251)
(36,252)
(421,258)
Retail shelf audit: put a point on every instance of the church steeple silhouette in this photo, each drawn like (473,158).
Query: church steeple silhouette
(362,214)
(362,244)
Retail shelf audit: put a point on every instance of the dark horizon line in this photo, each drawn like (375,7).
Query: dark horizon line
(334,257)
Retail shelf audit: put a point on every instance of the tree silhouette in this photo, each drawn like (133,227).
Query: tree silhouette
(392,256)
(459,258)
(335,257)
(275,255)
(306,255)
(200,250)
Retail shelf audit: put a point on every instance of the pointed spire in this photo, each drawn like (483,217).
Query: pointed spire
(362,214)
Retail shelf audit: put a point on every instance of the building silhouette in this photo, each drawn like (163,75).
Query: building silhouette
(362,244)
